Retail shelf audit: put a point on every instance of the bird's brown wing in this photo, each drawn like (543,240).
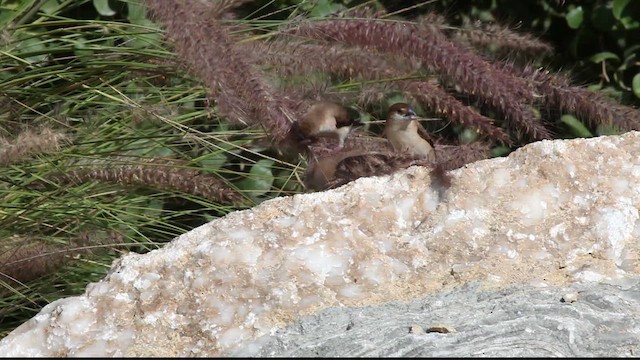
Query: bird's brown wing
(339,168)
(424,134)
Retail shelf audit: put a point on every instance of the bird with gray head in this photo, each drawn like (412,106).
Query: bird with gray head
(406,134)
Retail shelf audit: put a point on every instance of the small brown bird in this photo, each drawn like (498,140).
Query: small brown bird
(326,119)
(321,173)
(406,134)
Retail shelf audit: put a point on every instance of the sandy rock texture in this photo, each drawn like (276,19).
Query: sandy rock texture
(551,216)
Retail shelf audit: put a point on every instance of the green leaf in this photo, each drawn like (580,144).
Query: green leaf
(35,46)
(595,87)
(577,127)
(468,136)
(81,50)
(575,17)
(635,85)
(608,130)
(630,23)
(500,151)
(260,179)
(324,8)
(213,161)
(285,180)
(11,10)
(603,56)
(135,12)
(50,7)
(102,6)
(631,51)
(618,7)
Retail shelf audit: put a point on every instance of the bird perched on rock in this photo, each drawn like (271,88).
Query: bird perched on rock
(326,119)
(344,166)
(321,173)
(405,133)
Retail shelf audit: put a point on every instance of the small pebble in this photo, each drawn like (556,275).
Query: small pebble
(569,298)
(443,329)
(416,329)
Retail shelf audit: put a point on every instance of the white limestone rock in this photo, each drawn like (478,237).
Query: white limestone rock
(552,214)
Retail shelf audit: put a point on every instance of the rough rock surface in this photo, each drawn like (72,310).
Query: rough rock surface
(555,217)
(518,321)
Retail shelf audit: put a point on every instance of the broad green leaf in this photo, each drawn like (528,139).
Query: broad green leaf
(608,130)
(213,162)
(500,151)
(618,7)
(12,10)
(145,38)
(33,45)
(50,7)
(136,12)
(603,56)
(102,6)
(612,92)
(486,16)
(630,22)
(80,48)
(324,8)
(148,148)
(285,180)
(577,127)
(631,50)
(575,17)
(635,85)
(595,87)
(260,179)
(468,136)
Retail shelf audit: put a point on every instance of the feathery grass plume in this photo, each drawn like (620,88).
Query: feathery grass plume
(242,91)
(365,11)
(592,107)
(23,259)
(28,260)
(292,58)
(222,9)
(507,94)
(156,173)
(454,156)
(483,35)
(442,103)
(29,143)
(347,63)
(437,100)
(434,24)
(371,93)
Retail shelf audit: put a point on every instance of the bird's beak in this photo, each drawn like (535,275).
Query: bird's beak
(411,113)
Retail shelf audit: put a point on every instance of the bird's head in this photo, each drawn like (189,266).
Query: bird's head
(401,111)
